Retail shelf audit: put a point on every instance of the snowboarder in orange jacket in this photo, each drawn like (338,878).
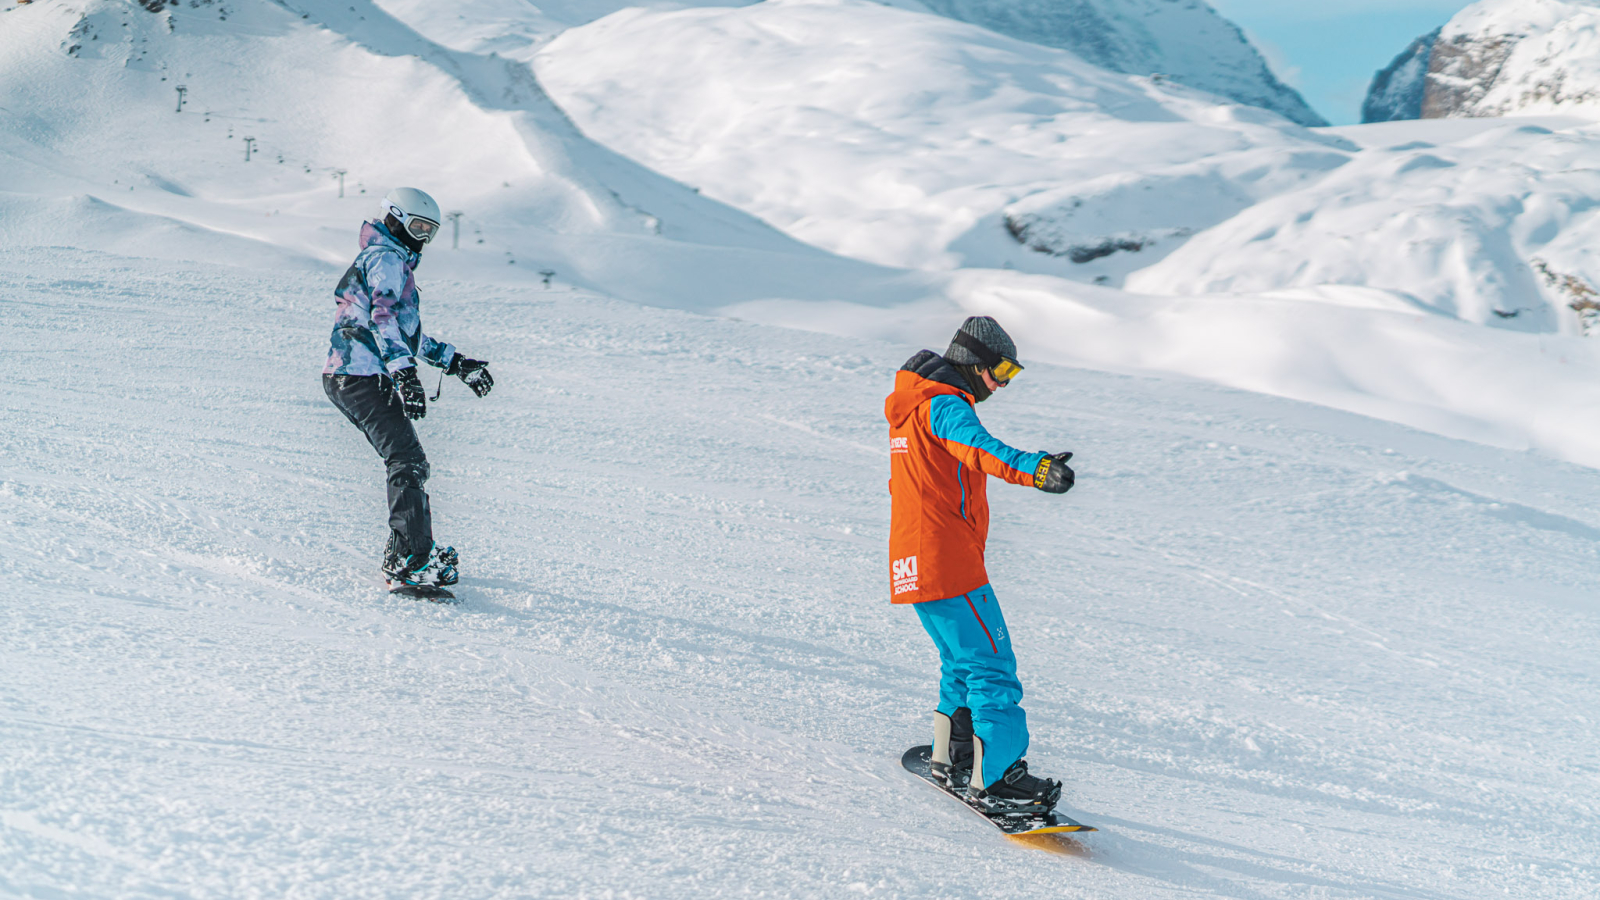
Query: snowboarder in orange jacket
(940,459)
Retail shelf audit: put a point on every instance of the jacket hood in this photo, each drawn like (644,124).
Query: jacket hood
(923,377)
(374,232)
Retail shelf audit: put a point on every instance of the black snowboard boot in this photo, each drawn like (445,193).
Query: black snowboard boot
(1016,792)
(957,746)
(435,568)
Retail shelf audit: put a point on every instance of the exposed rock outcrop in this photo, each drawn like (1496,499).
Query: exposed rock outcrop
(1497,58)
(1462,72)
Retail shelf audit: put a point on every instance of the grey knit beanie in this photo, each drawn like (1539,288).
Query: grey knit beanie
(985,331)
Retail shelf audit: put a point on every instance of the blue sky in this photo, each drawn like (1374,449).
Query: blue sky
(1329,49)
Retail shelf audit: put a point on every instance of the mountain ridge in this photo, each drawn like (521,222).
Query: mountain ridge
(1190,43)
(1187,42)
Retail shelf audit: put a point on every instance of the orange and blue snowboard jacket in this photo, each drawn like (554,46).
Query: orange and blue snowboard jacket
(939,455)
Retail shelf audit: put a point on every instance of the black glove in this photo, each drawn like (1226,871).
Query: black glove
(1053,476)
(474,373)
(412,397)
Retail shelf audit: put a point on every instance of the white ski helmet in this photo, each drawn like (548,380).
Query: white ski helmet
(415,211)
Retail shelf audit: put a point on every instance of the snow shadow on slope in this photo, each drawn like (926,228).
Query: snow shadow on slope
(1503,510)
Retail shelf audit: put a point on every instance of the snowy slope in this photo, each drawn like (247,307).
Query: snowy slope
(99,157)
(1358,349)
(1111,163)
(510,28)
(910,140)
(1483,224)
(1276,651)
(1187,42)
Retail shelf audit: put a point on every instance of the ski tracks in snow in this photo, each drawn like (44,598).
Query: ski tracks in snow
(1275,651)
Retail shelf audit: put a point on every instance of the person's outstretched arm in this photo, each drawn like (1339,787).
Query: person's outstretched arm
(956,425)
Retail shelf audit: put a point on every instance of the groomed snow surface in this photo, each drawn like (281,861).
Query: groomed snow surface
(1274,650)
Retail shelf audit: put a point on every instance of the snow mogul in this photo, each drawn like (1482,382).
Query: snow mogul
(940,457)
(371,376)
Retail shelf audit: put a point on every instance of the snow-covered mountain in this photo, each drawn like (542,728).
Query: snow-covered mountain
(1497,58)
(913,140)
(1456,220)
(284,102)
(1187,42)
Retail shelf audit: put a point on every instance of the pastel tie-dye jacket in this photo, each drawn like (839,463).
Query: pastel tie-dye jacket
(377,328)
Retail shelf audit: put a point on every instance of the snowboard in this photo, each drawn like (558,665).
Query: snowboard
(916,760)
(420,592)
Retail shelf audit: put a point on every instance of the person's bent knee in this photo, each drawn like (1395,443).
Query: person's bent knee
(408,473)
(996,686)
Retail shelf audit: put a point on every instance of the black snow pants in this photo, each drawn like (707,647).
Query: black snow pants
(369,402)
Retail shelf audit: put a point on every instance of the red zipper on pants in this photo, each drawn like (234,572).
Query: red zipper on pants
(968,598)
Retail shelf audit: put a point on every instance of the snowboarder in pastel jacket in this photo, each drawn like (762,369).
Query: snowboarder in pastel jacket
(940,460)
(371,376)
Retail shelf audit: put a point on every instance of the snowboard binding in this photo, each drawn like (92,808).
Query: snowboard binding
(1016,793)
(435,568)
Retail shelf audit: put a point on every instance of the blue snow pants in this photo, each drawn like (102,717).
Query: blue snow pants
(978,670)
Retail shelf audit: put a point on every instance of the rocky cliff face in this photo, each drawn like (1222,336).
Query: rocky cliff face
(1184,40)
(1462,72)
(1397,91)
(1497,58)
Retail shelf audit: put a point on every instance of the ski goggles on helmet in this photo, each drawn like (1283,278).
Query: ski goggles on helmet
(1003,368)
(422,229)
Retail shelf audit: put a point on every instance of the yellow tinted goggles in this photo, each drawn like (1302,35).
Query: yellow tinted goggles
(1005,370)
